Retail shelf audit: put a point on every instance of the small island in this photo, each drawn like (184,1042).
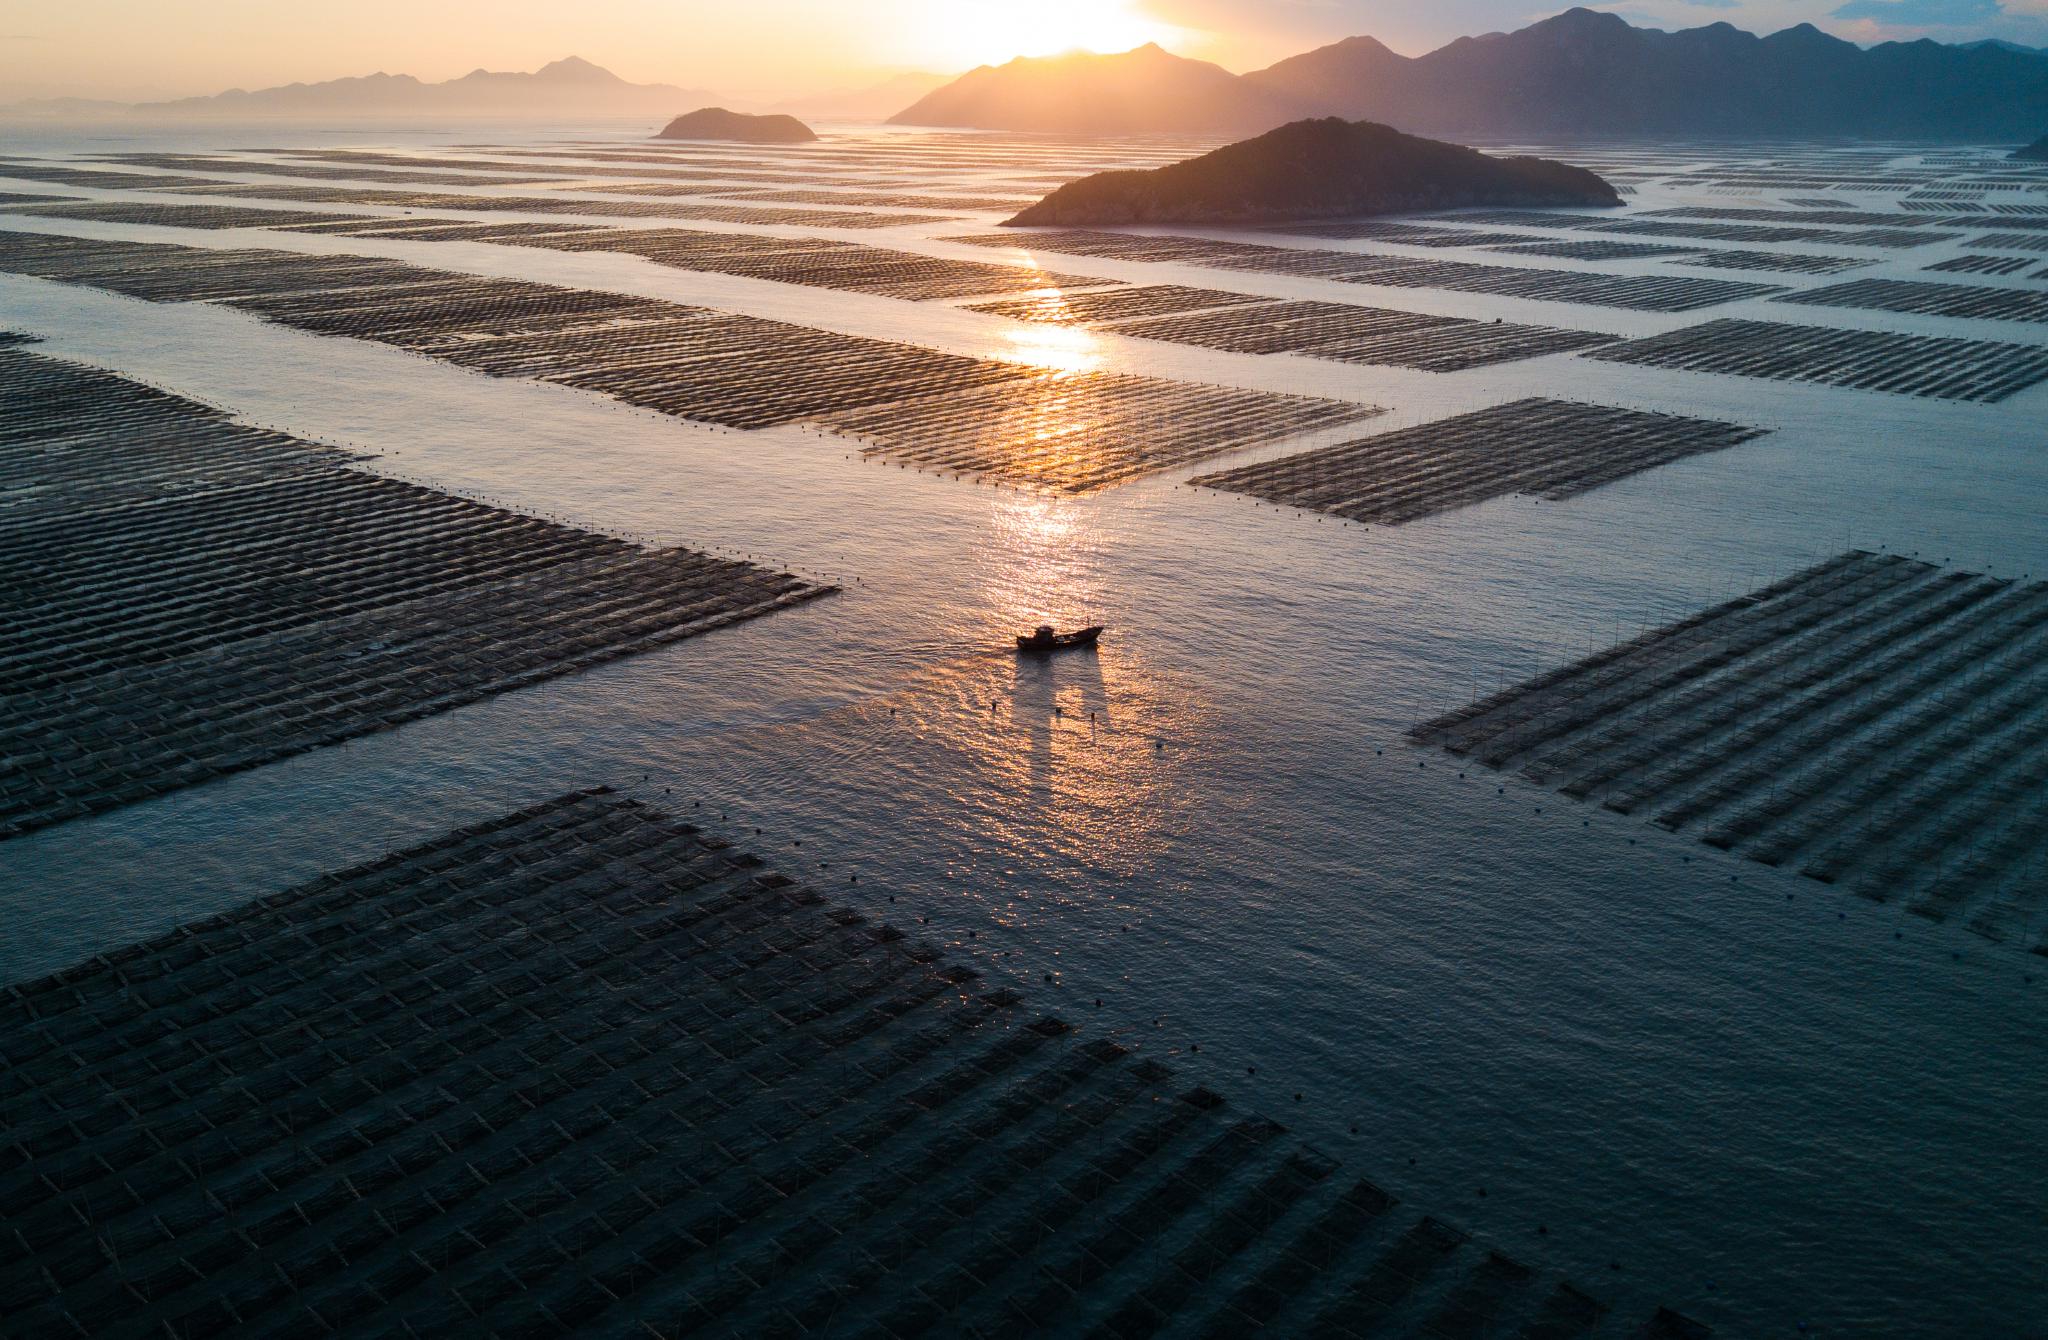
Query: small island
(1317,169)
(2037,152)
(716,123)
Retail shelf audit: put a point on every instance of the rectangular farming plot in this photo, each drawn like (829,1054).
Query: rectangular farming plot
(159,272)
(1872,721)
(1549,448)
(819,263)
(1339,332)
(536,204)
(1119,304)
(2012,241)
(1594,249)
(947,411)
(1972,264)
(181,216)
(589,1069)
(1969,301)
(1406,234)
(1078,432)
(189,597)
(1870,360)
(1652,293)
(1789,262)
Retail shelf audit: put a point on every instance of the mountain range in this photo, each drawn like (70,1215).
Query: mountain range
(1146,91)
(1583,72)
(565,87)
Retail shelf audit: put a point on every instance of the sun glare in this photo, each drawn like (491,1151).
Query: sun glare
(961,33)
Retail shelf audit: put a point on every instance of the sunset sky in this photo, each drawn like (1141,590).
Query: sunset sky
(765,48)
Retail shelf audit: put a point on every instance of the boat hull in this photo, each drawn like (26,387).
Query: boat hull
(1085,637)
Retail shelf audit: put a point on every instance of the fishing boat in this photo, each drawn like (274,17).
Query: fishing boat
(1044,639)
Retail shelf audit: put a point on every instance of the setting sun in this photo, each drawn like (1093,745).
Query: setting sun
(959,35)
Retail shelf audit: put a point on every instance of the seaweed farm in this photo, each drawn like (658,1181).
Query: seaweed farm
(1647,293)
(198,597)
(1339,332)
(1800,726)
(1867,360)
(1074,432)
(524,810)
(1968,301)
(1084,431)
(755,1089)
(1560,450)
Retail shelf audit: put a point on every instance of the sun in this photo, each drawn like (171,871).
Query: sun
(961,33)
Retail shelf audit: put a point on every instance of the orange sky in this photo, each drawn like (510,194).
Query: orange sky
(141,48)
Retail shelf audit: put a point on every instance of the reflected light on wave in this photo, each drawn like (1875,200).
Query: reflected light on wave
(1059,348)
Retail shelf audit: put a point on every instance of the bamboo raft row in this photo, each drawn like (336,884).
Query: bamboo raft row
(1888,239)
(161,272)
(1654,293)
(57,174)
(1870,360)
(1078,432)
(819,263)
(1406,234)
(1335,332)
(1829,212)
(1873,722)
(955,204)
(188,597)
(1590,249)
(1970,301)
(258,167)
(2012,241)
(1790,262)
(919,406)
(542,204)
(1716,232)
(1975,264)
(178,216)
(1873,219)
(587,1069)
(1116,304)
(447,230)
(1551,449)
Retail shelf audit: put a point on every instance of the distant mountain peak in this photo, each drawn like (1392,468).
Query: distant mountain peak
(568,86)
(575,67)
(1144,90)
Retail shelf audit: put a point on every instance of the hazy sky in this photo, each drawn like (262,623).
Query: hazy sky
(142,48)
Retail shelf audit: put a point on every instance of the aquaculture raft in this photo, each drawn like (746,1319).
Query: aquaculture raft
(1873,721)
(187,597)
(1868,360)
(1550,448)
(945,411)
(1651,293)
(586,1070)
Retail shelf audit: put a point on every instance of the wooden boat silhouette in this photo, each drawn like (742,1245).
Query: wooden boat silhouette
(1043,639)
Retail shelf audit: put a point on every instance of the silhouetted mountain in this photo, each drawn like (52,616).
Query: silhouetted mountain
(2037,152)
(1134,92)
(2009,46)
(562,87)
(1316,169)
(716,123)
(1584,72)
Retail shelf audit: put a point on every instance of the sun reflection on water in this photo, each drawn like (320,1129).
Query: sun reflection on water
(1057,347)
